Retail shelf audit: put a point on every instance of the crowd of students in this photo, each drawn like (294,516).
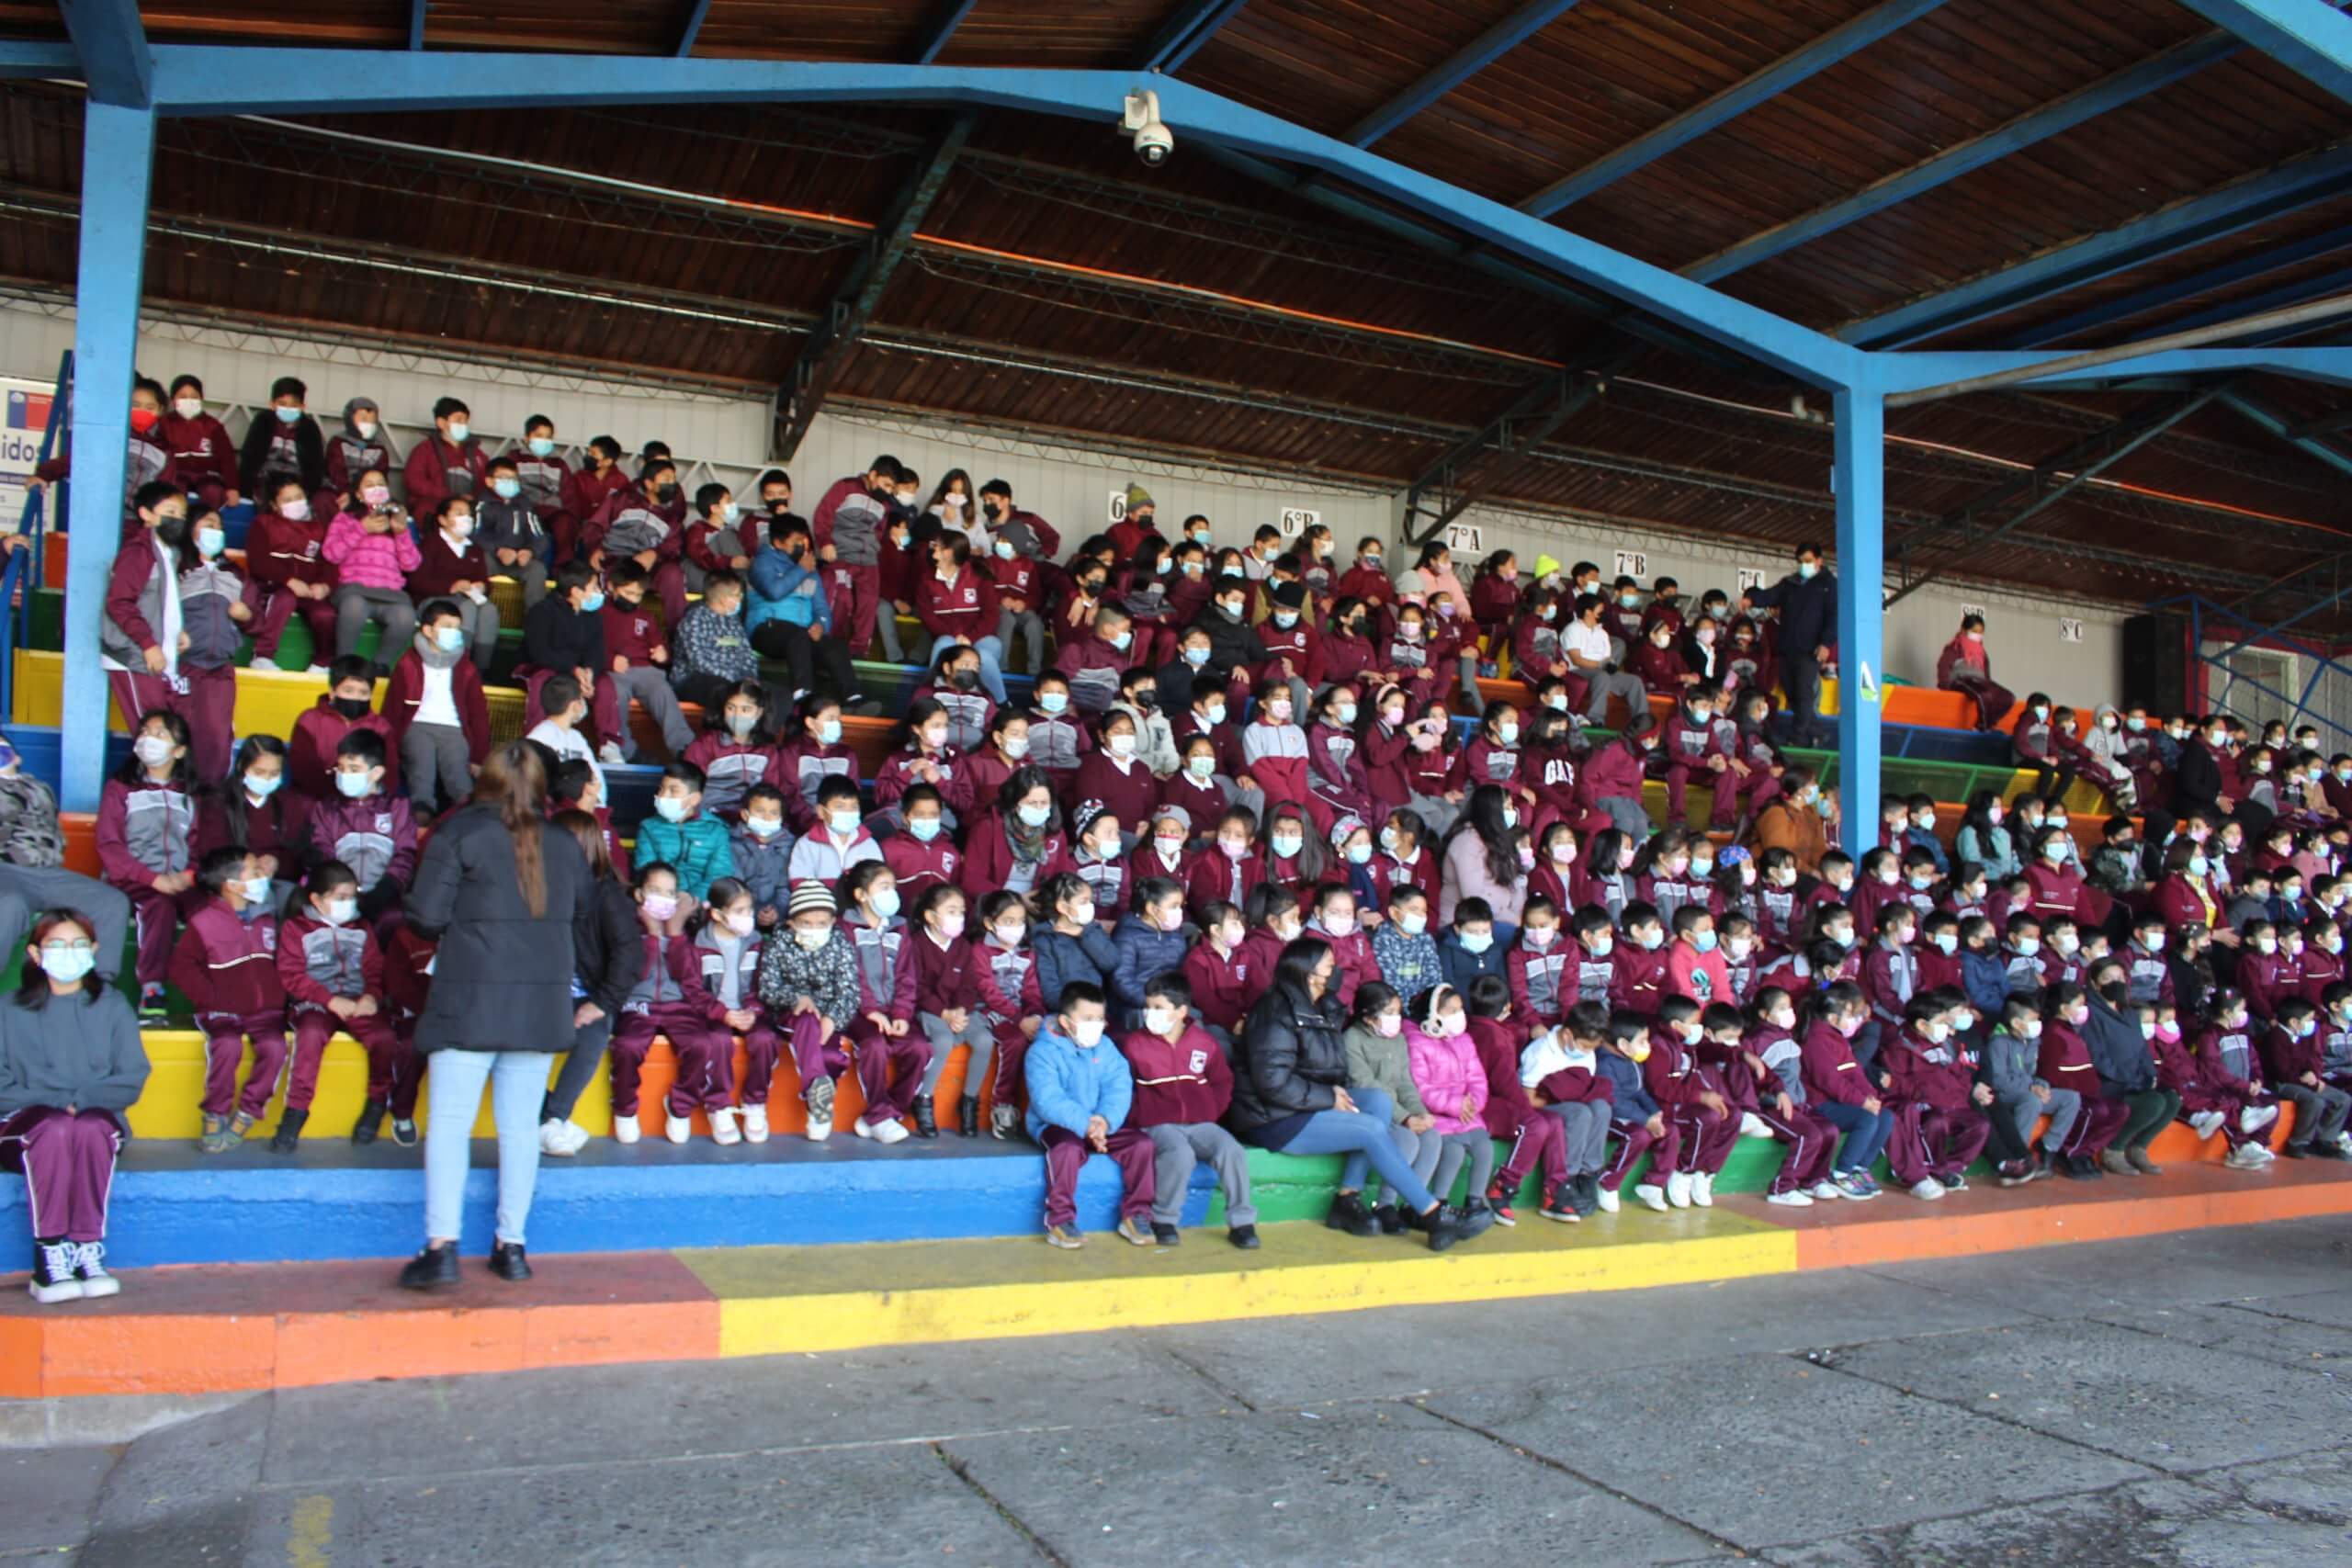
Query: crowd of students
(1226,876)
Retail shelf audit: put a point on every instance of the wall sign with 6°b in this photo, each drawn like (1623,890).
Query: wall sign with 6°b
(1297,520)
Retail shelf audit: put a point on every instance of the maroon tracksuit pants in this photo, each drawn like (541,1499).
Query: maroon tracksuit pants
(225,1034)
(1707,1138)
(1929,1141)
(1066,1155)
(761,1050)
(890,1070)
(2093,1130)
(156,917)
(706,1059)
(68,1160)
(1539,1138)
(816,1054)
(206,698)
(394,1070)
(855,592)
(282,607)
(1664,1150)
(1813,1146)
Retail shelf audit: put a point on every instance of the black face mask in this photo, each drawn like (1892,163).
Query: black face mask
(1090,586)
(665,493)
(353,708)
(964,680)
(172,530)
(777,506)
(1145,699)
(995,508)
(796,551)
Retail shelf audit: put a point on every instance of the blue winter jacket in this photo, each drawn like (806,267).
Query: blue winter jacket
(1985,977)
(1633,1101)
(1461,965)
(1069,1083)
(1087,956)
(1145,954)
(785,590)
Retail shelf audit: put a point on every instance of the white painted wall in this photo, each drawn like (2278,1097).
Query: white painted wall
(1069,485)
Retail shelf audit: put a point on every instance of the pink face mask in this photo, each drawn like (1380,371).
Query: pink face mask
(951,926)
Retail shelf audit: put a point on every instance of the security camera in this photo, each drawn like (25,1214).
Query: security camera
(1140,121)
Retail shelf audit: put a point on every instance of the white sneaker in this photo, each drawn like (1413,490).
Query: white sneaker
(677,1129)
(756,1124)
(1751,1126)
(1610,1202)
(1652,1195)
(2256,1116)
(1791,1198)
(1928,1187)
(1678,1189)
(1825,1192)
(562,1138)
(2242,1157)
(888,1131)
(819,1129)
(723,1131)
(610,754)
(1702,1190)
(2264,1153)
(2205,1123)
(89,1265)
(624,1129)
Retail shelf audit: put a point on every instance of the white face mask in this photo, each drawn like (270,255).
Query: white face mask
(812,940)
(152,751)
(1159,1020)
(1089,1033)
(187,407)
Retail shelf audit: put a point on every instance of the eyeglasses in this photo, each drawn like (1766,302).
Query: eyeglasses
(68,947)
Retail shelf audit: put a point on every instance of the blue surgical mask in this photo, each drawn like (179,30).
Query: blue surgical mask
(1053,702)
(66,963)
(829,732)
(210,542)
(288,416)
(765,827)
(1035,815)
(507,488)
(843,822)
(885,902)
(1120,640)
(264,785)
(924,828)
(449,639)
(540,447)
(1703,941)
(458,431)
(592,603)
(1196,657)
(1477,941)
(353,786)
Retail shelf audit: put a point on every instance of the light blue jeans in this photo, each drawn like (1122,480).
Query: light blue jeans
(518,1081)
(1363,1135)
(991,654)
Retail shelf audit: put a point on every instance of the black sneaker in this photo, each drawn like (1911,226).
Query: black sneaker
(1498,1205)
(290,1132)
(53,1278)
(1584,1194)
(1956,1182)
(926,1119)
(435,1269)
(506,1261)
(1392,1219)
(370,1123)
(1166,1236)
(1243,1236)
(1449,1226)
(1348,1213)
(968,1118)
(1557,1207)
(2296,1151)
(404,1130)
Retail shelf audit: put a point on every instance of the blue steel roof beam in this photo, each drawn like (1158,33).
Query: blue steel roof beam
(118,65)
(21,59)
(2034,126)
(2310,38)
(1482,51)
(938,29)
(696,14)
(1189,26)
(2239,269)
(2180,227)
(2318,287)
(1784,73)
(416,10)
(2265,417)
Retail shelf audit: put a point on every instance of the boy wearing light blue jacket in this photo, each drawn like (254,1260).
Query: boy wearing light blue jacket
(1079,1092)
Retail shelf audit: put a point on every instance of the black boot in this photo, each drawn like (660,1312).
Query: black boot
(506,1261)
(372,1121)
(1348,1213)
(433,1268)
(967,1117)
(926,1119)
(290,1132)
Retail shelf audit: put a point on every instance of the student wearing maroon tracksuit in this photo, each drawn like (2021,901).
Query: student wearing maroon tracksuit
(282,555)
(1940,1124)
(1184,1088)
(1804,1178)
(1692,1098)
(333,975)
(1636,1120)
(2066,1064)
(1639,971)
(948,1006)
(892,1055)
(1220,972)
(447,462)
(1840,1090)
(848,527)
(671,1000)
(1695,745)
(226,964)
(1507,1111)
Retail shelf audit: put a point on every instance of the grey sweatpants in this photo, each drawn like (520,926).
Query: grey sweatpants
(977,1034)
(1026,625)
(1584,1126)
(435,762)
(1600,686)
(2320,1113)
(1477,1146)
(27,890)
(649,685)
(481,623)
(2062,1107)
(1176,1148)
(355,606)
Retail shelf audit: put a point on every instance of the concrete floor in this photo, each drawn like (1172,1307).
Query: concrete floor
(2175,1401)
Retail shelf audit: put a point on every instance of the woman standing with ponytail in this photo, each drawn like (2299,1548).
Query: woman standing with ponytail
(497,886)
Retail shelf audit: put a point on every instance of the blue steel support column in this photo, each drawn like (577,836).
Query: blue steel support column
(1861,620)
(117,157)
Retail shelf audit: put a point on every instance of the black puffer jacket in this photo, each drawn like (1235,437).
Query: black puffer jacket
(502,977)
(607,946)
(1231,642)
(1292,1055)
